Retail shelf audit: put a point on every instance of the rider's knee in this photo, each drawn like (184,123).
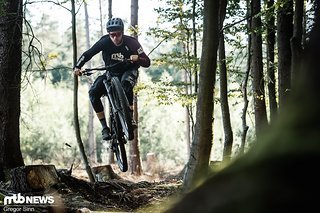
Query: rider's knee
(95,101)
(92,95)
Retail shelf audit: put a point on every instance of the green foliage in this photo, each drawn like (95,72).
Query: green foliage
(47,120)
(166,91)
(162,131)
(175,25)
(2,12)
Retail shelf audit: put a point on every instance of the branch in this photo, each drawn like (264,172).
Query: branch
(49,1)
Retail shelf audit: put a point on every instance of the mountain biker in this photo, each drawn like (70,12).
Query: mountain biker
(115,47)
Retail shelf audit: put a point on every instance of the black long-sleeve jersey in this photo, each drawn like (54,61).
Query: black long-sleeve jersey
(112,53)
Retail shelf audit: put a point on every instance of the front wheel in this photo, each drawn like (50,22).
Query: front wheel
(118,142)
(122,107)
(120,152)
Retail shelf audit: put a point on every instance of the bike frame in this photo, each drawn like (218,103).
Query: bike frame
(119,123)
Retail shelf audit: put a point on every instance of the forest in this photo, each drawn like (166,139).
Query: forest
(227,112)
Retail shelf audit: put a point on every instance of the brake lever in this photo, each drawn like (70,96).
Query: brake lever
(87,72)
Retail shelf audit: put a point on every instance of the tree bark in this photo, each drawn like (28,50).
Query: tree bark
(284,34)
(109,9)
(296,40)
(10,82)
(75,98)
(270,19)
(197,167)
(228,140)
(244,85)
(91,136)
(104,173)
(135,163)
(187,114)
(228,135)
(260,112)
(33,178)
(100,17)
(195,55)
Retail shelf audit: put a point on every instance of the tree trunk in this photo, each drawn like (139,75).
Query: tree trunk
(91,136)
(195,55)
(75,97)
(109,9)
(33,178)
(99,142)
(244,85)
(270,18)
(104,173)
(260,112)
(152,165)
(228,140)
(10,82)
(296,40)
(284,34)
(187,114)
(135,163)
(100,17)
(197,167)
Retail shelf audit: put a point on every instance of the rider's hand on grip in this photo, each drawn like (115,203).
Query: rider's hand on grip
(77,71)
(134,58)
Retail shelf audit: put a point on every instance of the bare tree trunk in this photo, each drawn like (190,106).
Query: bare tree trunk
(244,86)
(284,34)
(99,143)
(10,83)
(195,55)
(193,81)
(296,40)
(197,167)
(187,115)
(75,97)
(109,9)
(228,140)
(91,136)
(270,17)
(260,112)
(135,163)
(100,14)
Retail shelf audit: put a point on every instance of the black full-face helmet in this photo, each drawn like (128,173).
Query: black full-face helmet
(115,24)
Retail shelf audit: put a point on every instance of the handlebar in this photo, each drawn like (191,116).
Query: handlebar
(89,71)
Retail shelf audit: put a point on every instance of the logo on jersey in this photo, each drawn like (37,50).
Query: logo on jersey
(117,57)
(140,50)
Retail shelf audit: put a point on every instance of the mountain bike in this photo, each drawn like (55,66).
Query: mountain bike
(120,119)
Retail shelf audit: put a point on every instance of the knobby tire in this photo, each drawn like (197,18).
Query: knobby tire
(122,104)
(118,144)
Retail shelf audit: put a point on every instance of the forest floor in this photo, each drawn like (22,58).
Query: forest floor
(128,193)
(144,193)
